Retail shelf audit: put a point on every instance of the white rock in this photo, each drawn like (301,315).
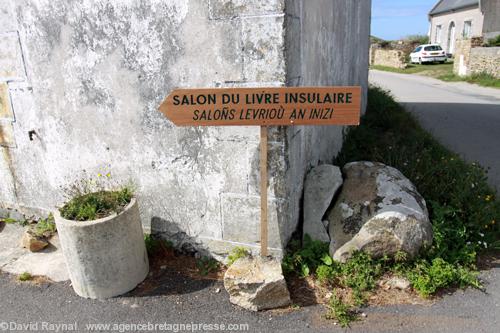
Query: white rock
(256,284)
(379,211)
(320,186)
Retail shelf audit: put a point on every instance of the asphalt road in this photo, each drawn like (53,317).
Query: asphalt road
(464,117)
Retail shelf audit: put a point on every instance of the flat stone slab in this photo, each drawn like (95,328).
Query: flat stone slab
(16,260)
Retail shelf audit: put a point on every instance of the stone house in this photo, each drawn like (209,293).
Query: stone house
(81,82)
(462,19)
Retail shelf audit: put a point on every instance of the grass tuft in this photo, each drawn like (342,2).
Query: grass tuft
(92,206)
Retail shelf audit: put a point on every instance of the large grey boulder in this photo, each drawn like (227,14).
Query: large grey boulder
(321,184)
(379,211)
(256,284)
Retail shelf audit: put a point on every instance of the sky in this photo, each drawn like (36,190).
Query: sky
(394,19)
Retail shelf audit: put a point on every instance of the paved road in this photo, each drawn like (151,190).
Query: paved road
(181,300)
(464,117)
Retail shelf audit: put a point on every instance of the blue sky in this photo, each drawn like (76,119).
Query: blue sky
(393,19)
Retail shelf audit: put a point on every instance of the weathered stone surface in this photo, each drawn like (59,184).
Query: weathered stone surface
(379,211)
(11,65)
(33,242)
(15,260)
(227,9)
(256,284)
(320,186)
(105,257)
(396,282)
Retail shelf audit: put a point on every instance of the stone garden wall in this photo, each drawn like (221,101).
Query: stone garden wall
(485,60)
(389,58)
(81,81)
(471,58)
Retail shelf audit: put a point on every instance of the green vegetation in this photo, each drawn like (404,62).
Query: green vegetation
(417,39)
(25,277)
(45,227)
(154,245)
(443,72)
(237,253)
(207,265)
(341,311)
(95,205)
(493,41)
(433,70)
(483,79)
(10,220)
(462,209)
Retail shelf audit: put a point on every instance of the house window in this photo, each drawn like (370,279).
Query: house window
(467,29)
(437,38)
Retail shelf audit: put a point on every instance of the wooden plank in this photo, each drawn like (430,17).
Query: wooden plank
(263,192)
(283,106)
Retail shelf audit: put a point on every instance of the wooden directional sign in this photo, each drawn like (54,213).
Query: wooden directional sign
(264,106)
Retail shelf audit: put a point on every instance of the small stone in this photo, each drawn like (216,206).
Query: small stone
(397,282)
(217,290)
(363,315)
(33,242)
(256,284)
(321,185)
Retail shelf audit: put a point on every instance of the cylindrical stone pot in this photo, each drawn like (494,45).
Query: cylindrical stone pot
(105,257)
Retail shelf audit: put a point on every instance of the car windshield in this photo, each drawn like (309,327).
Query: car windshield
(433,48)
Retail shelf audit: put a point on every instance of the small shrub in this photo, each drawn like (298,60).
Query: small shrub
(237,253)
(340,311)
(427,278)
(207,265)
(305,260)
(418,39)
(495,41)
(360,273)
(45,227)
(153,245)
(92,206)
(25,277)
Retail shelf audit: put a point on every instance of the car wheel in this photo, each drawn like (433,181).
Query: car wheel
(442,62)
(420,61)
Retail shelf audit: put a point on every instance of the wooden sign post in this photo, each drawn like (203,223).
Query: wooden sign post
(284,106)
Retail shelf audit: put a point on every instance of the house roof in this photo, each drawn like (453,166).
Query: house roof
(444,6)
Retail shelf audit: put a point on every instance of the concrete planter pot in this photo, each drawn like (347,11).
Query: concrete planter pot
(105,257)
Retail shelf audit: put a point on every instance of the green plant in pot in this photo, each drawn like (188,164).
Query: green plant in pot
(102,239)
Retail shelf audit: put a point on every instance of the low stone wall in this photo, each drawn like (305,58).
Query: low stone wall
(471,58)
(390,58)
(485,60)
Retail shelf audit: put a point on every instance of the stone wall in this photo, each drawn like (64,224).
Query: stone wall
(485,60)
(470,58)
(81,81)
(384,57)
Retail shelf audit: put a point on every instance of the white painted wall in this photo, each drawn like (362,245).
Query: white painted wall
(458,17)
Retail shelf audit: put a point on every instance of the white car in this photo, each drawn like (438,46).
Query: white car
(428,53)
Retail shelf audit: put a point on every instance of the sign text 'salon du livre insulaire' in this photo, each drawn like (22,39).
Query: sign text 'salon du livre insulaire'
(264,106)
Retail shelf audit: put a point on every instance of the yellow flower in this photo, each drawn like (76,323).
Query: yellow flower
(99,175)
(487,198)
(108,174)
(493,222)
